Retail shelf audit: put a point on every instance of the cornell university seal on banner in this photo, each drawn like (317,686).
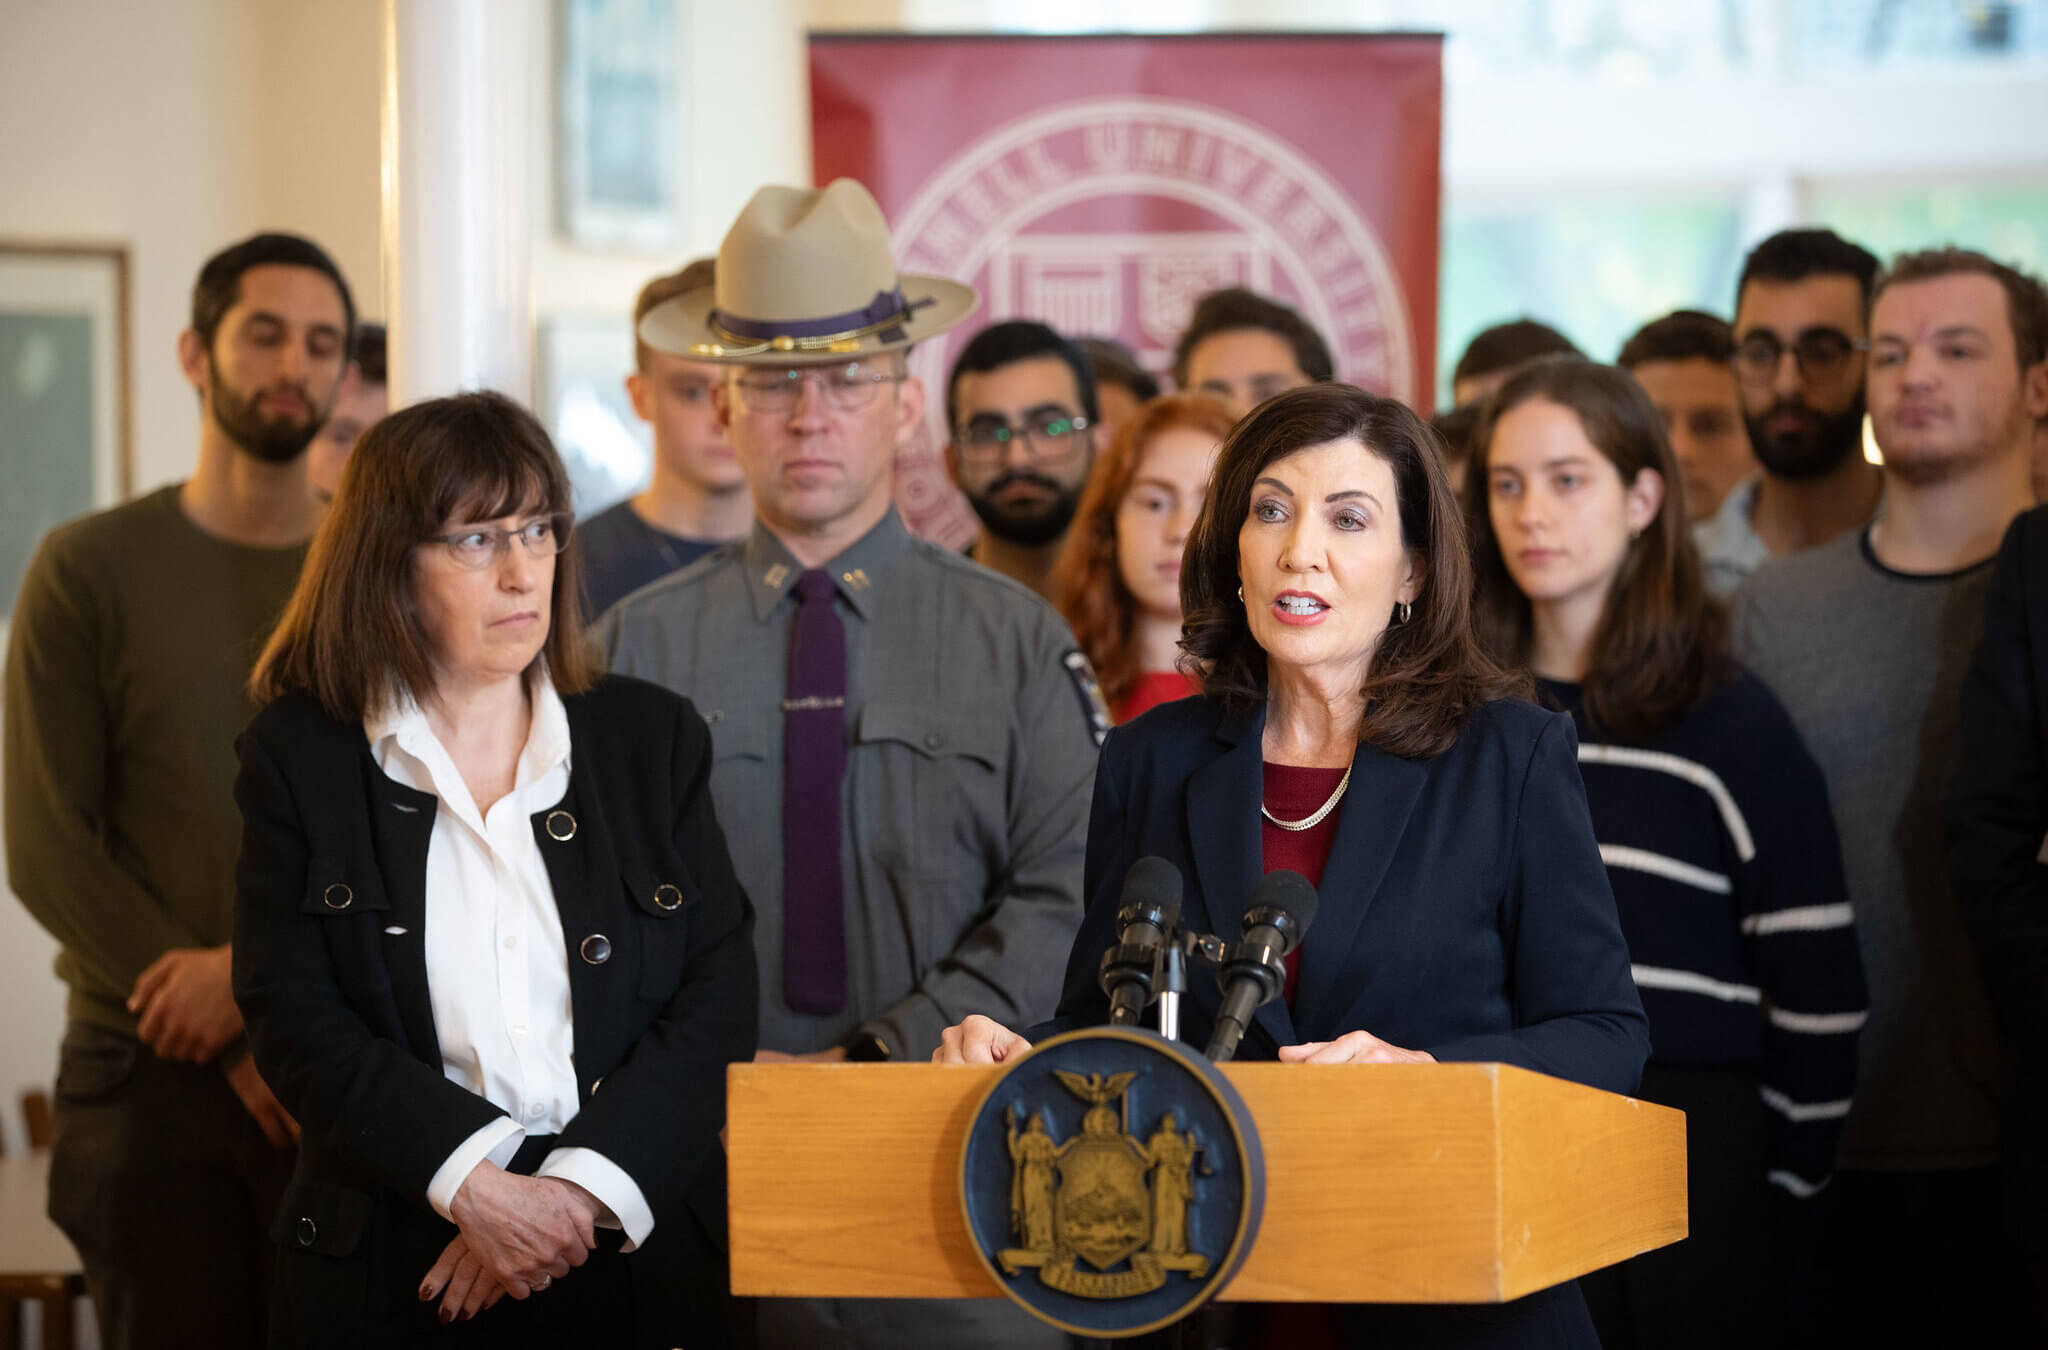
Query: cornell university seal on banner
(1112,217)
(1112,1181)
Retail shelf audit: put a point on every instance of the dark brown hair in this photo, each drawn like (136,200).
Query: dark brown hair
(2026,304)
(1662,643)
(1088,586)
(1429,674)
(351,636)
(1507,345)
(692,276)
(1681,335)
(1234,309)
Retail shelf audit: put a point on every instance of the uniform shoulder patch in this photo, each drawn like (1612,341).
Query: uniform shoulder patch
(1092,705)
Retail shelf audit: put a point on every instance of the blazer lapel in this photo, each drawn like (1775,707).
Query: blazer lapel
(402,825)
(1370,823)
(1223,839)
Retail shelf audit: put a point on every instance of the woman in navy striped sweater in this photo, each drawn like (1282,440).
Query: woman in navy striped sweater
(1713,822)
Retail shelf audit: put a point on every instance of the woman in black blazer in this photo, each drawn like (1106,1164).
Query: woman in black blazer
(1350,729)
(489,947)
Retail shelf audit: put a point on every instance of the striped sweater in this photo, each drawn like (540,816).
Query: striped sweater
(1728,876)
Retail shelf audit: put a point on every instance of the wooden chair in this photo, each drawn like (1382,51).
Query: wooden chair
(53,1291)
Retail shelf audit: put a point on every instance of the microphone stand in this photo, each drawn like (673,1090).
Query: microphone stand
(1173,982)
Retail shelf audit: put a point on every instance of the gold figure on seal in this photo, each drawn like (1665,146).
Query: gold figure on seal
(1101,1198)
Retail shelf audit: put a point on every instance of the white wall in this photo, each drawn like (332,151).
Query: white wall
(173,129)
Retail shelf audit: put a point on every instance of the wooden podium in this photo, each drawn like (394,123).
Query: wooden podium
(1385,1183)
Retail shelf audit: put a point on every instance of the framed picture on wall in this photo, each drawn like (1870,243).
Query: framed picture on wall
(65,446)
(617,132)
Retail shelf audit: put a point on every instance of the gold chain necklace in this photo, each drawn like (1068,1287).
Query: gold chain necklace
(1309,822)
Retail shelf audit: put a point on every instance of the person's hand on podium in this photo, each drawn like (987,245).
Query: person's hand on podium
(978,1040)
(527,1231)
(1353,1047)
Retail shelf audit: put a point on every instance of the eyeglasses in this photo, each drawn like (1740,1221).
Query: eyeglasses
(847,388)
(1049,437)
(482,546)
(1821,353)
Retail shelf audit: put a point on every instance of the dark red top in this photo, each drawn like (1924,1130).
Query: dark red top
(1295,793)
(1149,690)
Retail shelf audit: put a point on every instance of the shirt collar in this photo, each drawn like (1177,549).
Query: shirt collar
(1730,522)
(547,737)
(860,573)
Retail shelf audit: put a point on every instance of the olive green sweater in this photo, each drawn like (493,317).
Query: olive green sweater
(130,647)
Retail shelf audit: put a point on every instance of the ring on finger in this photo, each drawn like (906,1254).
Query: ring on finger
(542,1283)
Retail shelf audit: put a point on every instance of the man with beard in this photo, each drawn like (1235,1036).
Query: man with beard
(131,645)
(1021,410)
(1866,640)
(1800,338)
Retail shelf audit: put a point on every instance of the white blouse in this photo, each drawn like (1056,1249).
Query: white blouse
(497,961)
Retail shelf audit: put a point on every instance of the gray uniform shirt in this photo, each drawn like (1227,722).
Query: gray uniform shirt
(1869,663)
(970,763)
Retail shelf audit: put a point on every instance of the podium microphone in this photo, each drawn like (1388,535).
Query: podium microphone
(1145,920)
(1282,906)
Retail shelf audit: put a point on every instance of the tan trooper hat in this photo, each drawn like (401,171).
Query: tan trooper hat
(806,275)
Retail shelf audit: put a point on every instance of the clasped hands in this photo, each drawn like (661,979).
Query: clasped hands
(519,1235)
(983,1040)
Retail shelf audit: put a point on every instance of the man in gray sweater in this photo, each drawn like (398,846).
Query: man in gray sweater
(1866,640)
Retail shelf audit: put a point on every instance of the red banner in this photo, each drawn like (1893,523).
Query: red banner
(1103,184)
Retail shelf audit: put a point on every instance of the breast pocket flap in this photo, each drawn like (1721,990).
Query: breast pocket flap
(934,732)
(338,889)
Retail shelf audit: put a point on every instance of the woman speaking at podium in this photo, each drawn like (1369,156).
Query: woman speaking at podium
(489,946)
(1350,729)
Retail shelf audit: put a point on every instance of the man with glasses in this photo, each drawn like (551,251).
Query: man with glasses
(1021,410)
(1800,339)
(904,745)
(1866,640)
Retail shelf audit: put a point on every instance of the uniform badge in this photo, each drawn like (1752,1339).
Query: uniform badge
(1112,1181)
(1092,705)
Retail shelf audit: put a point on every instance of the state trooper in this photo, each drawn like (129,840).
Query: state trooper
(904,741)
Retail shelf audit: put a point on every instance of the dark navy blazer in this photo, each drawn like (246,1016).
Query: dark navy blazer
(1464,911)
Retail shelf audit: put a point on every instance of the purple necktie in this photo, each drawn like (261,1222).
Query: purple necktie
(813,765)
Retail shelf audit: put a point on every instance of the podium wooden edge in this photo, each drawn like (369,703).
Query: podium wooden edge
(1587,1179)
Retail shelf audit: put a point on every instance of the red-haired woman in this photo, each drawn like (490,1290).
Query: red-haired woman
(1713,822)
(1117,580)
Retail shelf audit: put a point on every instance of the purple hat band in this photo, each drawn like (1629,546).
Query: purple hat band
(886,307)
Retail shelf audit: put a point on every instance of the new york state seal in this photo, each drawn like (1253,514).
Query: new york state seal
(1112,1181)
